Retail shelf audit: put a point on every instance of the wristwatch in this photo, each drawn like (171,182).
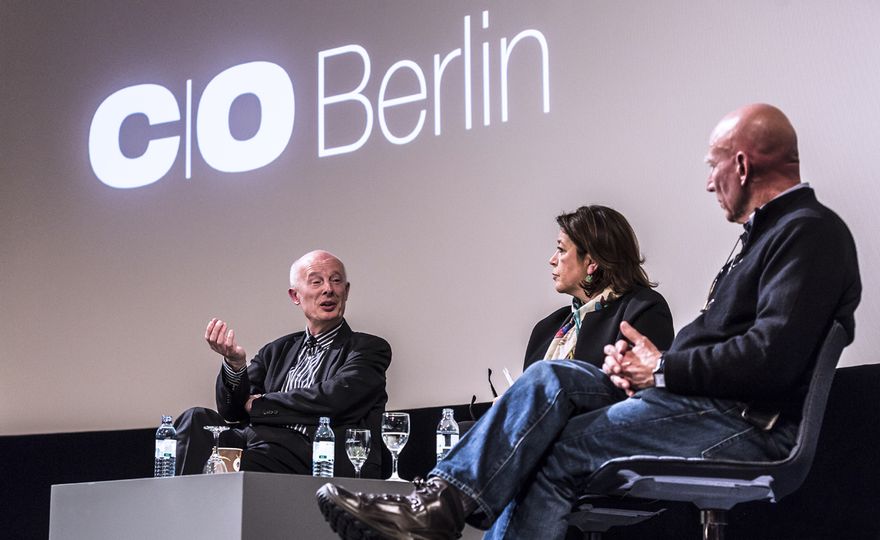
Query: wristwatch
(659,378)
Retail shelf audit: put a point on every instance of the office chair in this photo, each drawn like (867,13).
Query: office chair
(714,486)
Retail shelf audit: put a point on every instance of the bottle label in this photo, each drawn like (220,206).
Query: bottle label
(322,451)
(166,448)
(445,441)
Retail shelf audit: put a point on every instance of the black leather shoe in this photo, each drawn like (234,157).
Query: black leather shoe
(432,512)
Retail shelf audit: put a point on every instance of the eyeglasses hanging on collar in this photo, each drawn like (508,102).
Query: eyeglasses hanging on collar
(729,264)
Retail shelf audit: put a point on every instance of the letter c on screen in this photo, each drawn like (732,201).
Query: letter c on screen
(111,166)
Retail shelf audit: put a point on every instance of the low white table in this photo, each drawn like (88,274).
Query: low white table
(244,505)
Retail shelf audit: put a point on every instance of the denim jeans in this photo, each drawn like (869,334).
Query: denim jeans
(526,461)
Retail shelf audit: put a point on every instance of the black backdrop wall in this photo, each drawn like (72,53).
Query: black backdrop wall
(837,501)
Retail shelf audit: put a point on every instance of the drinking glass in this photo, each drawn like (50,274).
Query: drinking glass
(215,464)
(357,446)
(395,433)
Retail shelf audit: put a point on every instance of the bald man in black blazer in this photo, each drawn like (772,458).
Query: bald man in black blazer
(274,402)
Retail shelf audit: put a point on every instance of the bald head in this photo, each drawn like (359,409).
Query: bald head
(766,136)
(754,156)
(312,258)
(319,286)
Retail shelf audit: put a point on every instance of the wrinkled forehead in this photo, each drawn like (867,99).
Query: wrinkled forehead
(723,130)
(720,141)
(323,266)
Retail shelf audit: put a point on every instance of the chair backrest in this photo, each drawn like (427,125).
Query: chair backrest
(801,458)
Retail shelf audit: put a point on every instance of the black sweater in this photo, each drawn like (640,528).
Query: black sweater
(758,340)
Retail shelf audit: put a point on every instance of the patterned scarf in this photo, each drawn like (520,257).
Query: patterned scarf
(565,340)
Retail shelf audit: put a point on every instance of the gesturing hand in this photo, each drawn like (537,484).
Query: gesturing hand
(630,363)
(222,341)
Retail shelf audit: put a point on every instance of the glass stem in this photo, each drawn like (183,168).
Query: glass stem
(394,465)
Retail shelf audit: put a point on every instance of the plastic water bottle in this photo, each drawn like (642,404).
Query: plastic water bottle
(166,449)
(447,434)
(323,449)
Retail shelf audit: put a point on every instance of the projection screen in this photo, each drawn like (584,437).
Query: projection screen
(164,162)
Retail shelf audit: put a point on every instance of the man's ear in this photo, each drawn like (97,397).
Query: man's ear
(743,167)
(293,296)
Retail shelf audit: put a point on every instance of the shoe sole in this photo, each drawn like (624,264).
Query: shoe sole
(349,527)
(343,523)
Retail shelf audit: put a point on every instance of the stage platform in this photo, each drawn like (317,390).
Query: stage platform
(235,506)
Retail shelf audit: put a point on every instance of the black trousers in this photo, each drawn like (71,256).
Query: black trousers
(264,448)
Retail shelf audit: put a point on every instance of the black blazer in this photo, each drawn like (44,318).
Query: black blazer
(642,307)
(349,388)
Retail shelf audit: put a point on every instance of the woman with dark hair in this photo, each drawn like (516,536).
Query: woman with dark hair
(597,261)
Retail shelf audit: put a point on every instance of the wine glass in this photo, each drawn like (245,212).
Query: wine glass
(395,433)
(215,464)
(357,446)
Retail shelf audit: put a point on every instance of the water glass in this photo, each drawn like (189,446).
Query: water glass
(215,464)
(395,433)
(357,446)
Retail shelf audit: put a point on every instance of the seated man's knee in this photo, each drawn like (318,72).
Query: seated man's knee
(540,370)
(559,370)
(197,418)
(567,376)
(199,411)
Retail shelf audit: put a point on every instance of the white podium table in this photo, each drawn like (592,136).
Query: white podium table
(244,505)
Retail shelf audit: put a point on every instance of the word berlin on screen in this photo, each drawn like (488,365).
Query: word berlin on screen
(274,89)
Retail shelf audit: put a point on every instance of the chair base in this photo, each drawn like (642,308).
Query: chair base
(594,520)
(713,522)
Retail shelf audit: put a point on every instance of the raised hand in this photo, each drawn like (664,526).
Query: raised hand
(222,341)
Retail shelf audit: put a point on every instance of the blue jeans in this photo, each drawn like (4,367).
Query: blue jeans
(526,461)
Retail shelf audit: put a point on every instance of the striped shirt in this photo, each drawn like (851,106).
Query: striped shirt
(302,373)
(312,352)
